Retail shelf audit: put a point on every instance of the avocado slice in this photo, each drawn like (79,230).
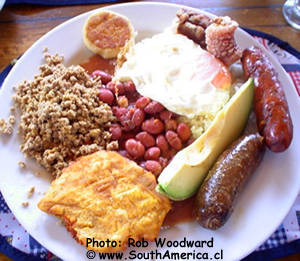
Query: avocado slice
(182,177)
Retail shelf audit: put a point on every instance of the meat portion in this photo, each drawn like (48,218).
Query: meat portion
(220,40)
(105,196)
(193,25)
(62,117)
(219,191)
(215,35)
(273,118)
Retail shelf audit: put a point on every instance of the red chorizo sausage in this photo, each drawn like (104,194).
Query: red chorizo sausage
(273,118)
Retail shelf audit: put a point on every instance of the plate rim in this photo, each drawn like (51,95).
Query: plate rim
(140,4)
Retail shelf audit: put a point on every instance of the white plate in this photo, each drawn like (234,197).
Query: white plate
(260,209)
(2,2)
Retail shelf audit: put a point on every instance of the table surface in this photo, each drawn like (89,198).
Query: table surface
(22,25)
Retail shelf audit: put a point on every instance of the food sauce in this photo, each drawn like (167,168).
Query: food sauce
(181,210)
(96,62)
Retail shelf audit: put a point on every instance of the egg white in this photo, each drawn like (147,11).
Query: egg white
(173,70)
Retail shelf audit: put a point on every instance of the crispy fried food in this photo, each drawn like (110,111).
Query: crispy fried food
(220,40)
(107,33)
(193,25)
(106,196)
(216,35)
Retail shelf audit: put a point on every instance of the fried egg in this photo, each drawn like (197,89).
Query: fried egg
(173,70)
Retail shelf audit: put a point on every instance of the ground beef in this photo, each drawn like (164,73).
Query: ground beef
(62,117)
(6,127)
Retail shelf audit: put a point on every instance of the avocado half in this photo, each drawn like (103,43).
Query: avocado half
(182,177)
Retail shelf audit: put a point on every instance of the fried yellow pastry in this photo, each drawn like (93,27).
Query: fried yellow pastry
(107,33)
(106,196)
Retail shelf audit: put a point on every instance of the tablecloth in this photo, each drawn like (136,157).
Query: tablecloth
(16,242)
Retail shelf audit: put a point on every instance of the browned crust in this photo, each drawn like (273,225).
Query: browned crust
(106,33)
(106,196)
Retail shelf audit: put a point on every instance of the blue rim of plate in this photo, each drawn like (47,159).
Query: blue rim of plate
(282,44)
(263,255)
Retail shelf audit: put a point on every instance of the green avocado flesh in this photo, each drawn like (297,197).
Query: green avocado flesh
(182,177)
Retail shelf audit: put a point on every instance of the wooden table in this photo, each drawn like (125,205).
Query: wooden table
(22,25)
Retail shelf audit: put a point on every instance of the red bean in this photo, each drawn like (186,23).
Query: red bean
(146,138)
(165,115)
(173,140)
(116,131)
(122,101)
(163,162)
(119,112)
(153,126)
(111,86)
(142,102)
(106,96)
(126,120)
(135,148)
(153,166)
(125,136)
(170,125)
(105,77)
(162,143)
(129,86)
(138,117)
(169,154)
(152,153)
(183,131)
(153,108)
(120,88)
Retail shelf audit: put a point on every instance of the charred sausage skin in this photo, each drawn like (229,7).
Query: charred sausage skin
(216,196)
(273,118)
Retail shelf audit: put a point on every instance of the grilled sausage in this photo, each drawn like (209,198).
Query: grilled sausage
(273,118)
(193,25)
(216,197)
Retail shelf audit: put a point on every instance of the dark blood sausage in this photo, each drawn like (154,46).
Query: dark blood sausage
(273,118)
(216,197)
